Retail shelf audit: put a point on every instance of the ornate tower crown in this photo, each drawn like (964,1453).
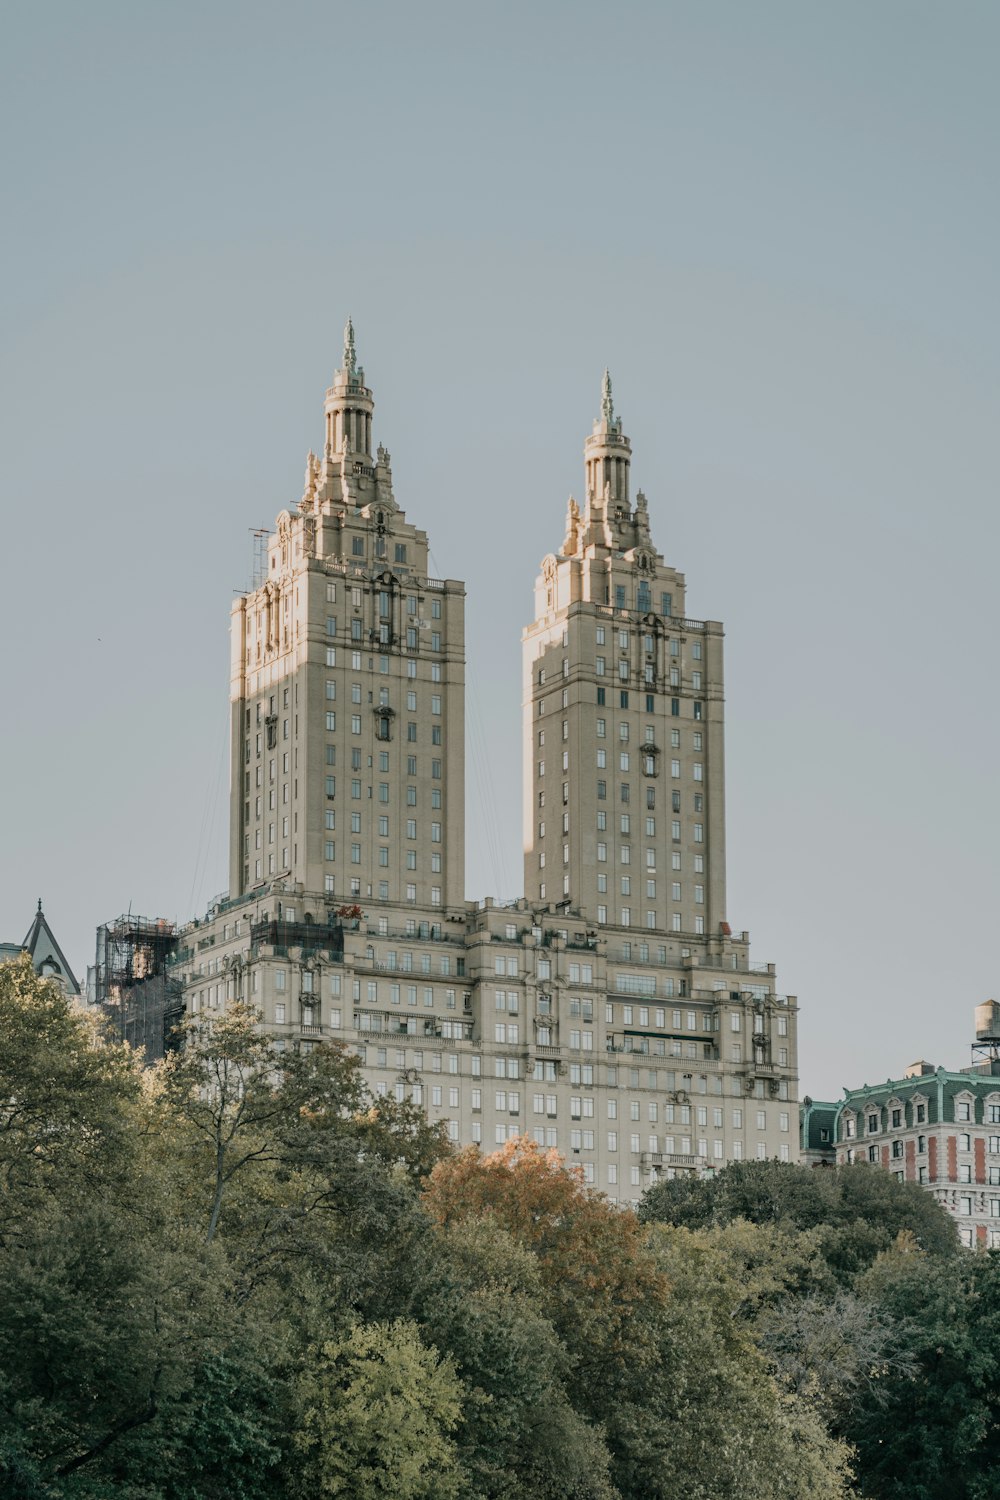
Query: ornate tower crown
(607,455)
(349,406)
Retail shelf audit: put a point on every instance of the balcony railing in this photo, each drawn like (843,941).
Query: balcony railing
(309,936)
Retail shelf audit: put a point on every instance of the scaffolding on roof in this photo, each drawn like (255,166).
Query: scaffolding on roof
(133,990)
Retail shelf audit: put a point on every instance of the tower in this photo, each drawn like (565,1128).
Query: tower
(347,690)
(609,1013)
(624,814)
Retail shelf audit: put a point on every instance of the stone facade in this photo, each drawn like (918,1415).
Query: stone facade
(630,1031)
(934,1127)
(348,690)
(623,720)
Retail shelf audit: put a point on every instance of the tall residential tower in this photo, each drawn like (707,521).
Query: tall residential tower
(610,1012)
(348,688)
(623,720)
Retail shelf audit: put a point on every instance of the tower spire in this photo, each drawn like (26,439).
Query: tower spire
(607,405)
(349,406)
(607,454)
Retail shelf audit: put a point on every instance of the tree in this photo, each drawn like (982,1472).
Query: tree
(110,1309)
(936,1431)
(841,1353)
(657,1354)
(478,1297)
(595,1271)
(64,1097)
(721,1425)
(857,1210)
(376,1410)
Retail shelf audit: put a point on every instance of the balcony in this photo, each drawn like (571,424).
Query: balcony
(310,937)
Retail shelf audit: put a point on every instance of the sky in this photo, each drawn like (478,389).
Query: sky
(777,225)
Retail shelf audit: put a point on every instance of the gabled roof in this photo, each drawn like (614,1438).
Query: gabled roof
(45,953)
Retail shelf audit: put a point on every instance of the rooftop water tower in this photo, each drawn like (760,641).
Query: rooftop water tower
(986,1047)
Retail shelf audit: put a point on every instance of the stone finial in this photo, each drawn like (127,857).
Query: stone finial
(311,479)
(607,405)
(572,527)
(350,353)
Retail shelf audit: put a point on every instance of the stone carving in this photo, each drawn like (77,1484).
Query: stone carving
(607,405)
(571,541)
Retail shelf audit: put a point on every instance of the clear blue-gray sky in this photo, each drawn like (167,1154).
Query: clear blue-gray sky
(777,223)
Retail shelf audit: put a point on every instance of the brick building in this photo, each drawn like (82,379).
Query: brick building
(932,1126)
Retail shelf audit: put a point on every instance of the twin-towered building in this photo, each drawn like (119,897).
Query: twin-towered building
(611,1012)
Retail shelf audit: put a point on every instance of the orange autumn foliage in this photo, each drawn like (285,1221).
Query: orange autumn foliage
(594,1263)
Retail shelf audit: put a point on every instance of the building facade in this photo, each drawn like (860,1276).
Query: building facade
(347,690)
(611,1012)
(624,812)
(931,1126)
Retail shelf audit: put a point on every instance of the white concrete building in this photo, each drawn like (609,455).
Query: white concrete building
(611,1012)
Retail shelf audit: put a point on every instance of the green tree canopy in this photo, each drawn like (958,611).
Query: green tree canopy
(856,1210)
